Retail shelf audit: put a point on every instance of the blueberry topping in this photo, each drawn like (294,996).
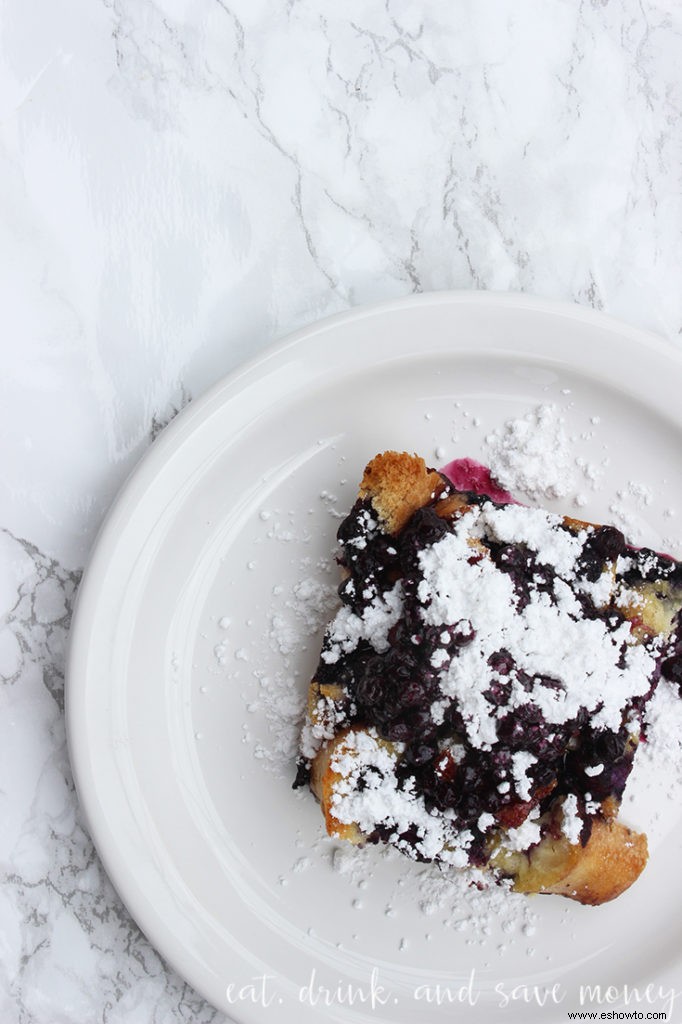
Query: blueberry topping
(604,544)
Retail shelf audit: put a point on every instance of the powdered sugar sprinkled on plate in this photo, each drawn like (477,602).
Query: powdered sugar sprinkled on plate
(532,454)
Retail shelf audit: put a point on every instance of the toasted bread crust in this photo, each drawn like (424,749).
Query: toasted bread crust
(612,859)
(398,484)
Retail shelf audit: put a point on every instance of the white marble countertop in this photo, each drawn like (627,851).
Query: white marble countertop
(184,181)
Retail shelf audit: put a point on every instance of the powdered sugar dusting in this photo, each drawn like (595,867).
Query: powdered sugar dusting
(663,720)
(572,822)
(597,666)
(281,704)
(532,455)
(467,902)
(464,900)
(365,758)
(299,614)
(348,628)
(303,614)
(525,835)
(628,510)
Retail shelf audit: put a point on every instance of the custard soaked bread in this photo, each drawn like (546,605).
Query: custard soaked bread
(480,693)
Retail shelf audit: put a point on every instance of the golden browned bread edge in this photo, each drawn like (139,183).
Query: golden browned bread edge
(398,484)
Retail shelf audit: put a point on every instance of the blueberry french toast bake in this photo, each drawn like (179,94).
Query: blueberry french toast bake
(480,693)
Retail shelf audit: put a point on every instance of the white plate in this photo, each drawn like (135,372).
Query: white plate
(221,863)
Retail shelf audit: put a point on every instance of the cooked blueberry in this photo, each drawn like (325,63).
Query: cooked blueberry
(604,544)
(419,753)
(502,662)
(424,529)
(671,669)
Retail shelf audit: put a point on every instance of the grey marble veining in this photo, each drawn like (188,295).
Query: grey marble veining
(70,949)
(183,183)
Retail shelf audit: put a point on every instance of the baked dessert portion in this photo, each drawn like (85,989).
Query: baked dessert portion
(480,693)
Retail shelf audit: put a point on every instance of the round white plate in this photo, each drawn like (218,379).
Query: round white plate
(179,721)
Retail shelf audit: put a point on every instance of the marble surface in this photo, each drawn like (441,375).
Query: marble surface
(184,181)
